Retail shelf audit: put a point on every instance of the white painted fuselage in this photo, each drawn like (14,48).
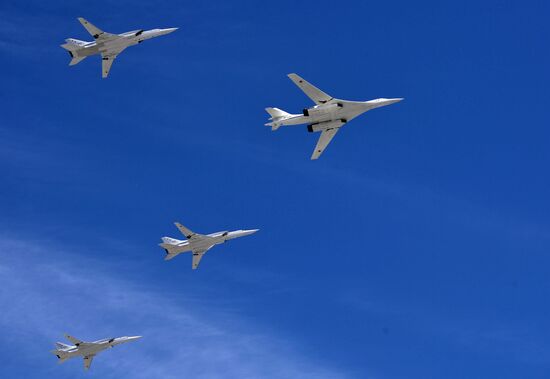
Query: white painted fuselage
(323,116)
(204,242)
(327,116)
(87,350)
(120,43)
(108,45)
(198,244)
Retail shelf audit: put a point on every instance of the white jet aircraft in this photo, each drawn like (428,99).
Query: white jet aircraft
(86,350)
(106,44)
(199,244)
(327,116)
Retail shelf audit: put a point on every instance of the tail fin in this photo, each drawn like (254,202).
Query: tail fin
(72,46)
(170,241)
(61,345)
(276,115)
(75,43)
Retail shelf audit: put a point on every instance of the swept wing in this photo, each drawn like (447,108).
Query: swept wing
(98,34)
(88,361)
(185,231)
(324,140)
(74,340)
(197,256)
(107,60)
(314,93)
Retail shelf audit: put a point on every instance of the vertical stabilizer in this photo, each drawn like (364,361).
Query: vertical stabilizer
(276,115)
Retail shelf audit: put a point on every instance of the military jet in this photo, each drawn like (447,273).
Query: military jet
(199,244)
(327,116)
(106,44)
(86,350)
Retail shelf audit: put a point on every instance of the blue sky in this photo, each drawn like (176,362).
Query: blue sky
(416,247)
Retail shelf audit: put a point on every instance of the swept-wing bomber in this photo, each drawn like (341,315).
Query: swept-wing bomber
(86,350)
(198,244)
(108,45)
(327,116)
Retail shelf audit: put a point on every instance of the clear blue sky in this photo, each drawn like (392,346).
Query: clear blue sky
(416,247)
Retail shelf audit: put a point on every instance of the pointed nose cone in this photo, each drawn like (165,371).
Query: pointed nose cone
(169,30)
(249,232)
(382,102)
(392,101)
(134,338)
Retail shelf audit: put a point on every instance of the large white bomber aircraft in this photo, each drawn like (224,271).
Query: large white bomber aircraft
(199,244)
(106,44)
(86,350)
(327,116)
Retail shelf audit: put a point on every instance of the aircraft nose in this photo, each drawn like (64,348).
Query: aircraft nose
(251,231)
(384,102)
(393,101)
(169,30)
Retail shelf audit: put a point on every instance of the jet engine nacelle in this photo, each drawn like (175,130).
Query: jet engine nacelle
(322,109)
(321,126)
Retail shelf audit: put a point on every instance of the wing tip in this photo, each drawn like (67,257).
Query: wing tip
(316,154)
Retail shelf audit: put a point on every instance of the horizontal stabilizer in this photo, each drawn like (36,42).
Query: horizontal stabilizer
(62,357)
(170,255)
(72,46)
(76,60)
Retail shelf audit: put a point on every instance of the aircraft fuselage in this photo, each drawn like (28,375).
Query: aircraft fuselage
(334,111)
(200,242)
(91,348)
(123,41)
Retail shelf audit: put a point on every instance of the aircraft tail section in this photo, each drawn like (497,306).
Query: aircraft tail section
(75,60)
(276,115)
(72,46)
(170,241)
(169,255)
(61,355)
(61,345)
(172,247)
